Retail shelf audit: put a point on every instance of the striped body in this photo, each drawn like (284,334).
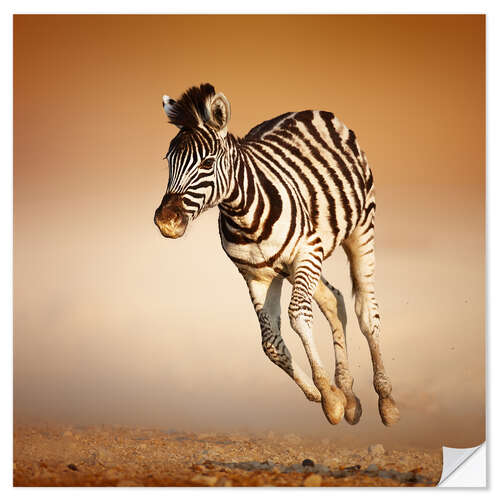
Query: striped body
(299,175)
(289,193)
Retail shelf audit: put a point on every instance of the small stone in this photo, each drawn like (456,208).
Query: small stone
(92,459)
(313,480)
(307,463)
(72,467)
(204,480)
(408,477)
(384,473)
(339,473)
(372,468)
(322,469)
(352,468)
(376,449)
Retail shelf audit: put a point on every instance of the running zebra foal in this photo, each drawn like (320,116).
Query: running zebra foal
(289,193)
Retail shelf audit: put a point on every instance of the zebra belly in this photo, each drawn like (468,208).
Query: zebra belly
(264,259)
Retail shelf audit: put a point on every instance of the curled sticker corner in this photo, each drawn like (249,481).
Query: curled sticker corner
(464,467)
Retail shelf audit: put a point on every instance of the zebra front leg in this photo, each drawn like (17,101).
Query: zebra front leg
(305,280)
(266,300)
(332,305)
(359,248)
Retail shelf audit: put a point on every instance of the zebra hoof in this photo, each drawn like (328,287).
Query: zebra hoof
(333,403)
(340,394)
(353,410)
(388,411)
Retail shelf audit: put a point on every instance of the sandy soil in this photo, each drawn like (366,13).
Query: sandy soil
(116,456)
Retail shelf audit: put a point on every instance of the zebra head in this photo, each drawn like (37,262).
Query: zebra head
(196,157)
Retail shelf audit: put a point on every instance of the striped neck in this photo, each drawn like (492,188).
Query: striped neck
(240,180)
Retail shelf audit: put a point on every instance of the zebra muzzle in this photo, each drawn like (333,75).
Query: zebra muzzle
(170,219)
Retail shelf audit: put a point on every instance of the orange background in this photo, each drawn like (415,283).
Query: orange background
(115,324)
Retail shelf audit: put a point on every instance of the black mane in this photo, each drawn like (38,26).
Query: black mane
(259,130)
(191,108)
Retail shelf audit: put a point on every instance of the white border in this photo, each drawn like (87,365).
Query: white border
(256,6)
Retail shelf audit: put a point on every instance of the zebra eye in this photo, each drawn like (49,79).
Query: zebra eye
(207,163)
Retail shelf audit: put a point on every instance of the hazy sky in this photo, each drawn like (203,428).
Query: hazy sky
(115,324)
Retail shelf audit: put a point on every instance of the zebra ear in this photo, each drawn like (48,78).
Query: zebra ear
(168,106)
(219,112)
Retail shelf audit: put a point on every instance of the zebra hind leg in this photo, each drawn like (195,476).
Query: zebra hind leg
(360,251)
(331,303)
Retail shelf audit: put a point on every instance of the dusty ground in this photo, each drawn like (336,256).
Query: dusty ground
(116,456)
